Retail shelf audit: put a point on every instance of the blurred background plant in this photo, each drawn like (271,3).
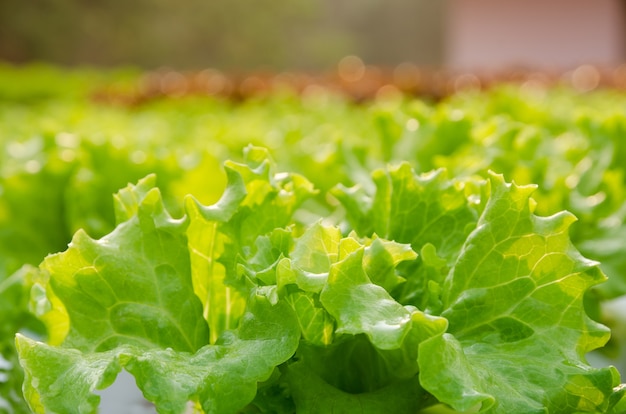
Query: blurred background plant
(177,87)
(234,34)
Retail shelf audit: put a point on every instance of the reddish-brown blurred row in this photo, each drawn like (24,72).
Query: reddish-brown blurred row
(354,80)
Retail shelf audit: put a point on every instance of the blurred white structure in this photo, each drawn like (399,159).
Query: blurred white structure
(123,397)
(488,34)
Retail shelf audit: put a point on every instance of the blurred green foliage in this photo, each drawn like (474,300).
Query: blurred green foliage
(233,34)
(63,156)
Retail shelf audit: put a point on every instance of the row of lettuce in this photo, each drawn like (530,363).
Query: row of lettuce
(249,248)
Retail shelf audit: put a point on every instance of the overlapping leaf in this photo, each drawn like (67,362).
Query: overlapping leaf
(358,339)
(14,317)
(222,378)
(133,286)
(428,211)
(256,202)
(518,332)
(518,329)
(447,292)
(130,300)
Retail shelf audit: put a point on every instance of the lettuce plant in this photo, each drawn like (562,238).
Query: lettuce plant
(436,294)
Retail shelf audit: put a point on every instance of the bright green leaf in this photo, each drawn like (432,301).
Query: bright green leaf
(133,286)
(222,378)
(518,331)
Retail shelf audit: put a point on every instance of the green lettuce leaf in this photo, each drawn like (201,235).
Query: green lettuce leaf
(130,300)
(509,285)
(257,201)
(221,378)
(357,338)
(411,208)
(14,317)
(132,286)
(130,303)
(314,395)
(518,332)
(447,292)
(430,212)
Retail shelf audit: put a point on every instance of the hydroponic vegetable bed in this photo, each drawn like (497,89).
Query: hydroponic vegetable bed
(303,253)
